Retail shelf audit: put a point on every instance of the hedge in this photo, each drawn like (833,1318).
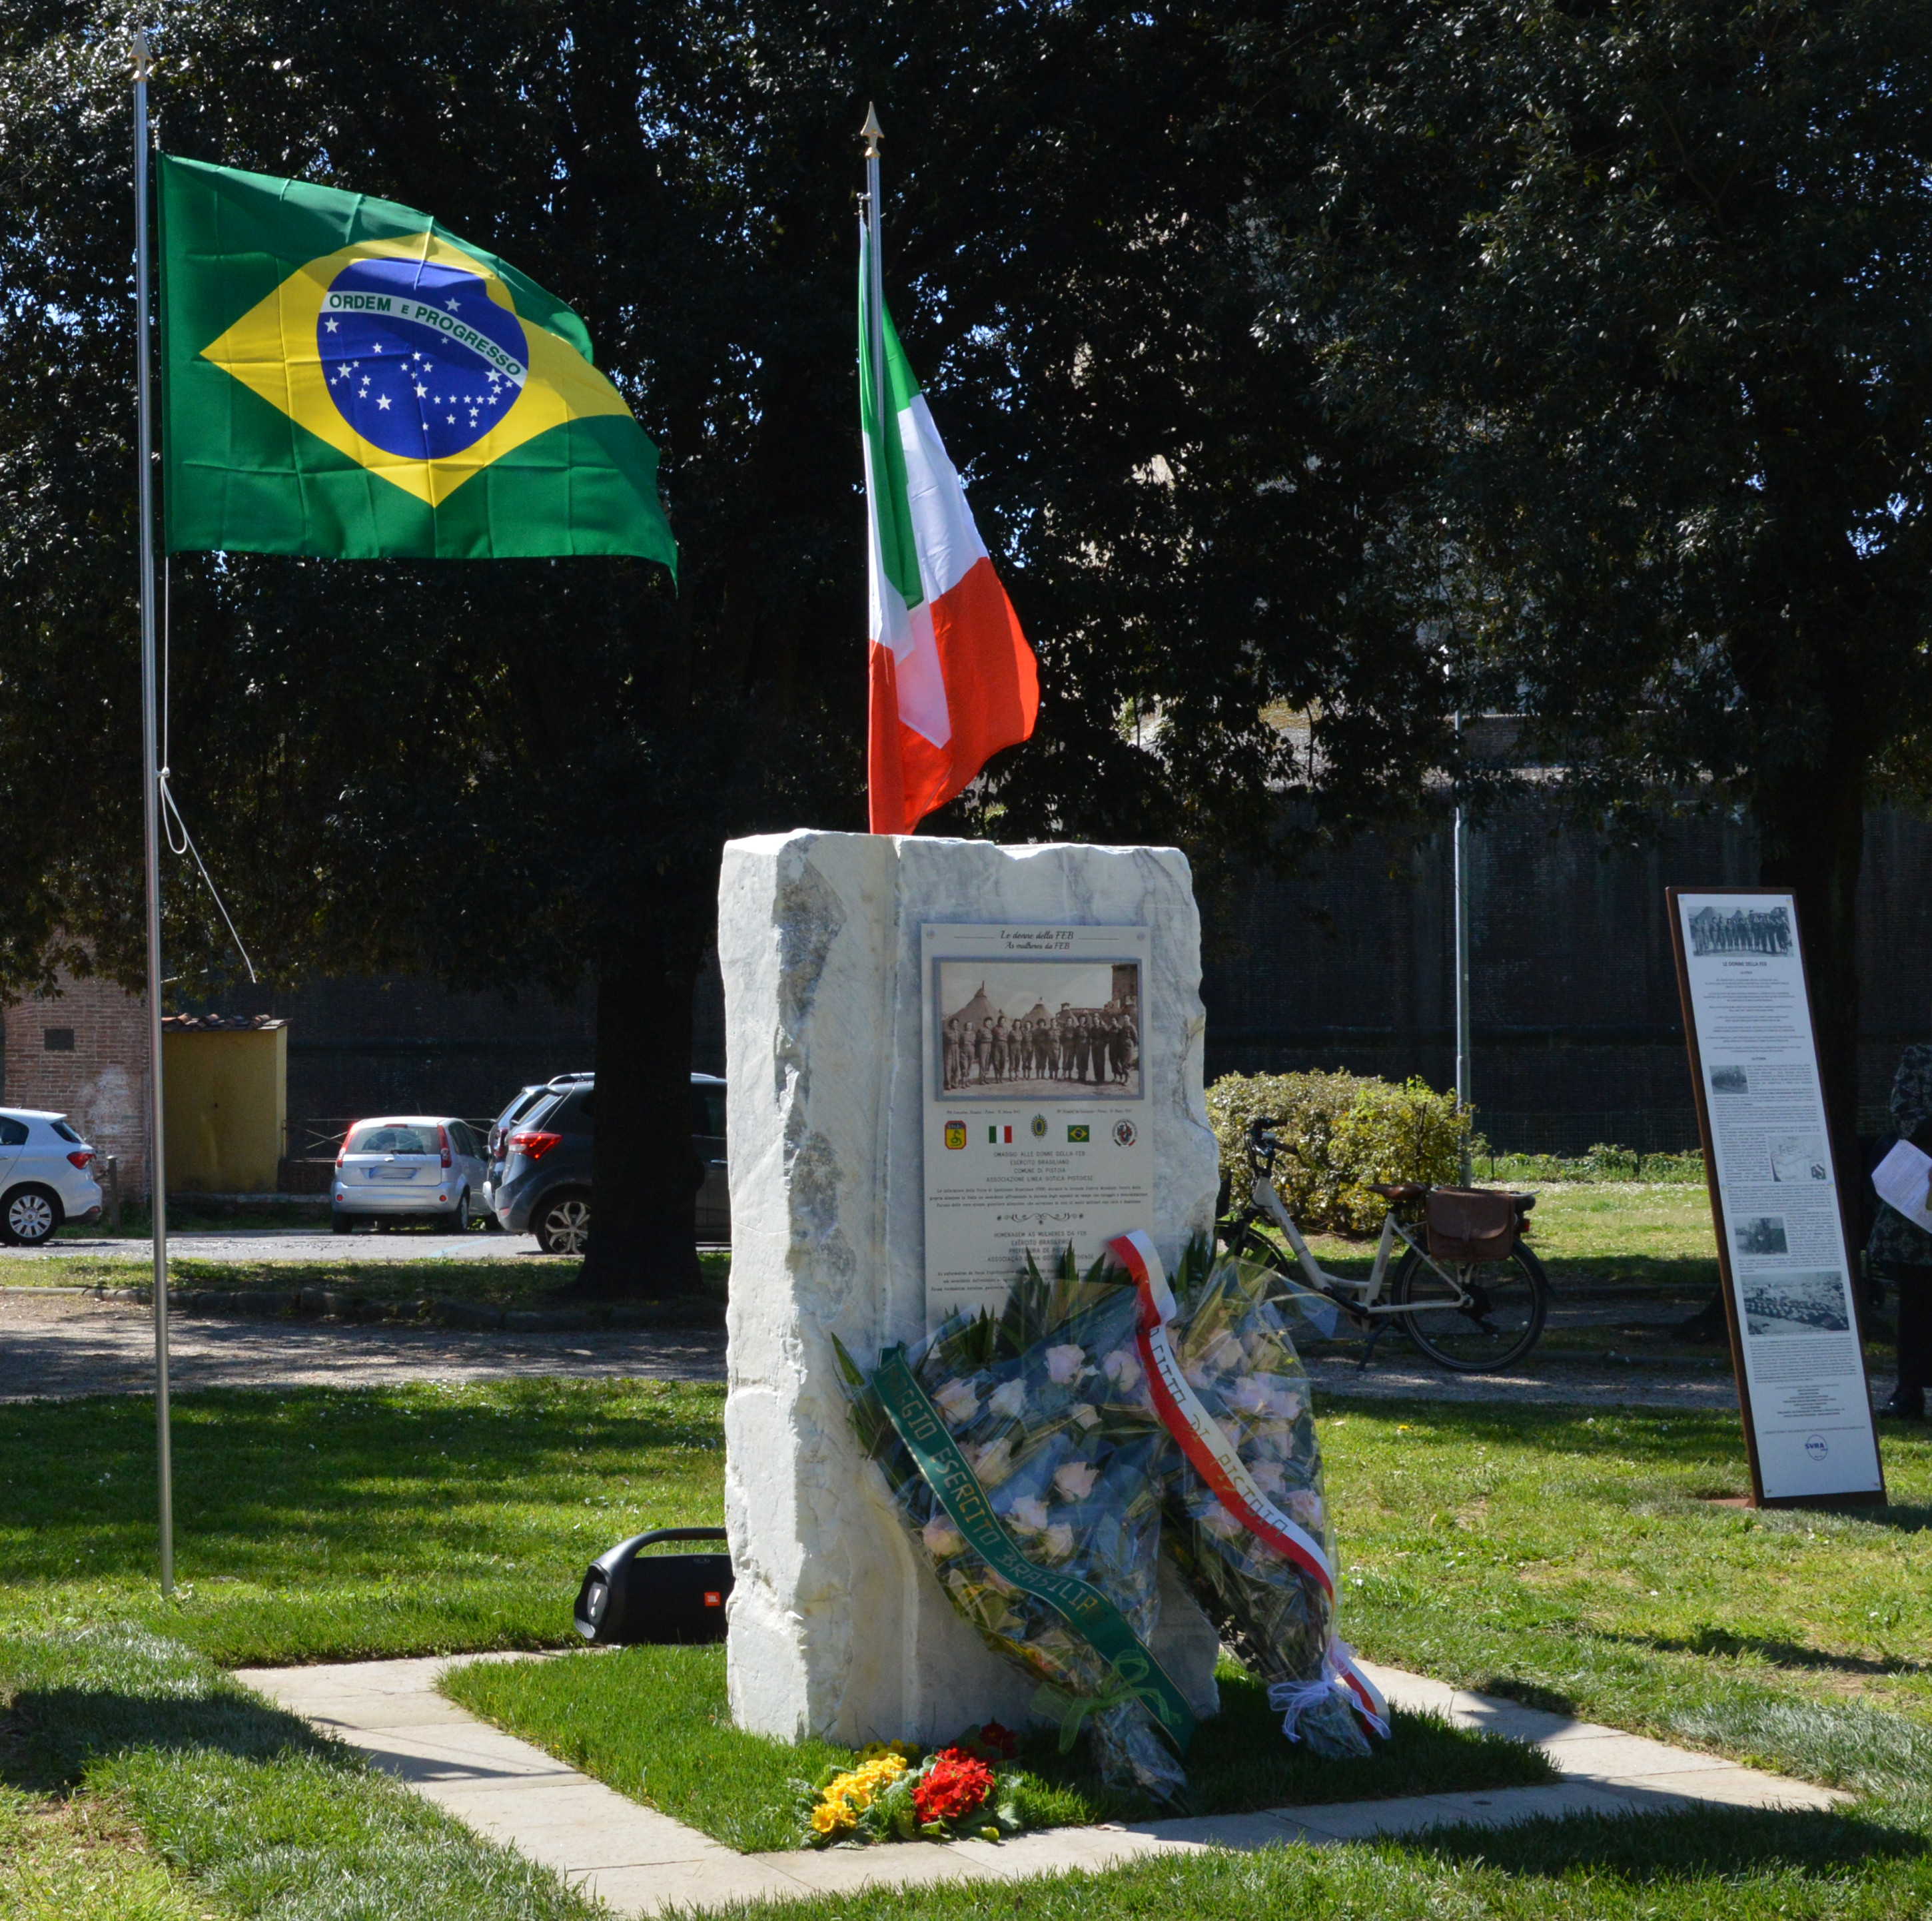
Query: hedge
(1340,1132)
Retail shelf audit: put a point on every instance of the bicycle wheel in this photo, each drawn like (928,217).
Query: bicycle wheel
(1500,1323)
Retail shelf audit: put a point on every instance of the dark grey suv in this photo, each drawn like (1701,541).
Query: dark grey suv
(542,1184)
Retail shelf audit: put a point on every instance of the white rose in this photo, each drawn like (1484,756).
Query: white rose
(1121,1368)
(1065,1364)
(1028,1512)
(1073,1481)
(1058,1541)
(941,1537)
(993,1462)
(1008,1401)
(958,1401)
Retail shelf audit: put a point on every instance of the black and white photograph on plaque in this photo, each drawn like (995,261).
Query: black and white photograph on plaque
(1761,1234)
(1730,1080)
(1796,1304)
(1044,1030)
(1799,1156)
(1743,931)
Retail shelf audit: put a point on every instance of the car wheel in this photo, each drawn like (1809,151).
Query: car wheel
(29,1216)
(458,1222)
(342,1224)
(562,1224)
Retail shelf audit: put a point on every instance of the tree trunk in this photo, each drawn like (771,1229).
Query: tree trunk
(644,1222)
(1811,829)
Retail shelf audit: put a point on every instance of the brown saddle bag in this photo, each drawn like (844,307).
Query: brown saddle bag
(1470,1224)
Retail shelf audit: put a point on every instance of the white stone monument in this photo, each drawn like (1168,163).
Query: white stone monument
(836,1629)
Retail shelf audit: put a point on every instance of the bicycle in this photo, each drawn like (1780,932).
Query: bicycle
(1472,1317)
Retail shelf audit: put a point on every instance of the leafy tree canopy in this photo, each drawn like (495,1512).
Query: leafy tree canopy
(521,773)
(1643,285)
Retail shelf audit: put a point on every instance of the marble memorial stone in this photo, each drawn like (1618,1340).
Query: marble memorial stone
(836,1630)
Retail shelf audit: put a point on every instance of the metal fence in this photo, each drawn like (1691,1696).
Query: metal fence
(1642,1130)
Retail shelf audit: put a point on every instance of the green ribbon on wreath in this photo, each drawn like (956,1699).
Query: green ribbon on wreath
(1072,1711)
(1083,1607)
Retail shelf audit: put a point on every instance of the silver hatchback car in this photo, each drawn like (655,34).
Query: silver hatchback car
(408,1167)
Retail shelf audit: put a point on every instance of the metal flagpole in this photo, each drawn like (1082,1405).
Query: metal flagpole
(151,810)
(875,281)
(1460,864)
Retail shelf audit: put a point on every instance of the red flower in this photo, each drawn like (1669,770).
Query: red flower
(1003,1741)
(952,1787)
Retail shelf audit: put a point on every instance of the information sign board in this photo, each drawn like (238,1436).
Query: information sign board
(1786,1259)
(1036,1130)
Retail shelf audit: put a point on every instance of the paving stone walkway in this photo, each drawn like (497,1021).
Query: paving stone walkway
(642,1862)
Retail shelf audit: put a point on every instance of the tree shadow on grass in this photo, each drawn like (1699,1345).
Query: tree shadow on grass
(72,1700)
(1723,1644)
(1709,1841)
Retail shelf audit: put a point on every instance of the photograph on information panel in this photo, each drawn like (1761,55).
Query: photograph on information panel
(1044,1029)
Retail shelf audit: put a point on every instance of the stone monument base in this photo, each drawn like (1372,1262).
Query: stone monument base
(836,1629)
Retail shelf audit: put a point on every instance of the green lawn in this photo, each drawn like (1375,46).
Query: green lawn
(653,1722)
(82,1858)
(1564,1558)
(1718,1865)
(241,1810)
(1598,1233)
(321,1526)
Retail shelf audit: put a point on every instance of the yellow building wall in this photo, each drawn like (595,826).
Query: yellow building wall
(225,1098)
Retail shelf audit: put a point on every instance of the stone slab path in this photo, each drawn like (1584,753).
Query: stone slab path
(642,1862)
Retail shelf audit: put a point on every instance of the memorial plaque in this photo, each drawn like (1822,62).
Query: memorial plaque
(1037,1073)
(1787,1261)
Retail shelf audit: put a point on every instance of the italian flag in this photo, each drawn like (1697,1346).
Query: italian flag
(953,680)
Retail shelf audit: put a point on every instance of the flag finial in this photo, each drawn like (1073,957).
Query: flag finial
(140,53)
(871,133)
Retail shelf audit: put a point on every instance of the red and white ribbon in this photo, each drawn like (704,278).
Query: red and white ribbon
(1205,1443)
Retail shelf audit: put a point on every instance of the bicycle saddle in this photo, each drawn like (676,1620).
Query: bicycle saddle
(1398,1190)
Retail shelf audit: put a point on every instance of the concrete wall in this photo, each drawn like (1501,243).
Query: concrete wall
(225,1097)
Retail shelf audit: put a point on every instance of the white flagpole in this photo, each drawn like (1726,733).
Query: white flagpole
(151,822)
(875,281)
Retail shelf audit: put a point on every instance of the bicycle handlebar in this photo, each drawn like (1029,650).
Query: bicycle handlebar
(1264,1143)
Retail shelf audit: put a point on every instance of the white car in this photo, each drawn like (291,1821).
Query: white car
(408,1167)
(44,1181)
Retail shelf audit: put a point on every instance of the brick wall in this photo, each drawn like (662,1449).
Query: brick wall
(100,1081)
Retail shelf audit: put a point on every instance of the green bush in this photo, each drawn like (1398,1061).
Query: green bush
(1342,1131)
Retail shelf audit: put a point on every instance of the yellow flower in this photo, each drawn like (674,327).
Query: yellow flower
(827,1820)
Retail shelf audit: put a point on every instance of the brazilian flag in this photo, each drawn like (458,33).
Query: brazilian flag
(341,376)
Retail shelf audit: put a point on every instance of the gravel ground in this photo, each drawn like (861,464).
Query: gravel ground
(58,1345)
(266,1244)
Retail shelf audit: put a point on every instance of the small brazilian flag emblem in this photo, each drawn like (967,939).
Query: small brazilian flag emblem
(342,377)
(1079,1133)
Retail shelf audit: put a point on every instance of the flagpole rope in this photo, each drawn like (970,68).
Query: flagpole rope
(171,822)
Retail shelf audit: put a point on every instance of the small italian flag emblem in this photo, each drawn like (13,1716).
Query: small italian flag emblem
(996,1135)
